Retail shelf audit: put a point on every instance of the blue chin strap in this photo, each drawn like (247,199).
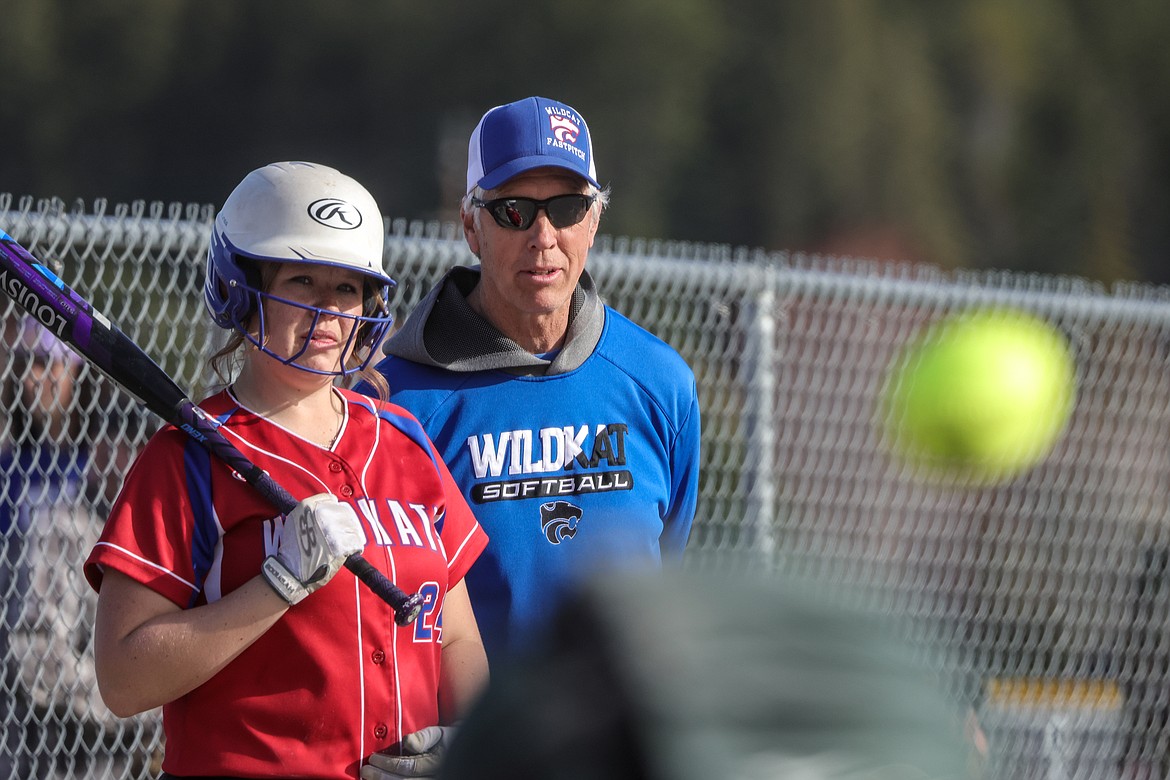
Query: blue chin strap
(371,329)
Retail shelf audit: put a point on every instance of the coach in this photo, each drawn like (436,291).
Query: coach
(573,432)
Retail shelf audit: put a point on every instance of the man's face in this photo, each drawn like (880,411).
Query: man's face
(530,273)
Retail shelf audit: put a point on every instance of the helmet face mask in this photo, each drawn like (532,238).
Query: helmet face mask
(366,329)
(300,213)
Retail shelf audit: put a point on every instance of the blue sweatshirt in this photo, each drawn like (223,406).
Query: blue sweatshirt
(595,465)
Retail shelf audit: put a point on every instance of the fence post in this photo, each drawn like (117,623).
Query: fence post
(761,417)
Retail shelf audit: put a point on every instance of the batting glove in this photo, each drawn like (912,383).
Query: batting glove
(423,755)
(319,534)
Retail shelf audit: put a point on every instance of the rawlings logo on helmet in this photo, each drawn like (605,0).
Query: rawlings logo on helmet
(335,213)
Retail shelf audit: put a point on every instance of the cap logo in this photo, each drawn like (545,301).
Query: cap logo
(564,129)
(335,213)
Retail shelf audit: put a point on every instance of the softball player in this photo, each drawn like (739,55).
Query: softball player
(268,658)
(573,432)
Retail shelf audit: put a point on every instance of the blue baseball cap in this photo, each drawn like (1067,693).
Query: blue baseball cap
(531,133)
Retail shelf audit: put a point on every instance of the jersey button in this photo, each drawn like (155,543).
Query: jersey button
(380,731)
(346,490)
(378,656)
(335,467)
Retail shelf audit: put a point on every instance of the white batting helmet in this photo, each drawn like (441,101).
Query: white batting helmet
(295,212)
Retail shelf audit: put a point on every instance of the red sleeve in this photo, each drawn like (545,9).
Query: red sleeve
(148,535)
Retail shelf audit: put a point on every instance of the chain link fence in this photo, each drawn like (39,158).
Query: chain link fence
(1046,597)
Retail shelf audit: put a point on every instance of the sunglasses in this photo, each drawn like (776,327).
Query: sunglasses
(519,213)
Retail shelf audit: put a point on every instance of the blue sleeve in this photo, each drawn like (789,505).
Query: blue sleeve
(684,470)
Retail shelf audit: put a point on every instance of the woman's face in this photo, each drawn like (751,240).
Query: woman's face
(290,329)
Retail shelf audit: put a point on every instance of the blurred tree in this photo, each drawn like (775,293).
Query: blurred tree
(825,132)
(74,73)
(1045,162)
(983,133)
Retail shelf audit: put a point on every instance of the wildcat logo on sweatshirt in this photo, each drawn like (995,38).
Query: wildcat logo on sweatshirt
(549,462)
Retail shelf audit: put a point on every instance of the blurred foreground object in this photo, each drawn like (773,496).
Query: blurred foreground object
(685,676)
(981,396)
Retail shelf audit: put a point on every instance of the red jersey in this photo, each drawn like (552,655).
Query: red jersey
(335,679)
